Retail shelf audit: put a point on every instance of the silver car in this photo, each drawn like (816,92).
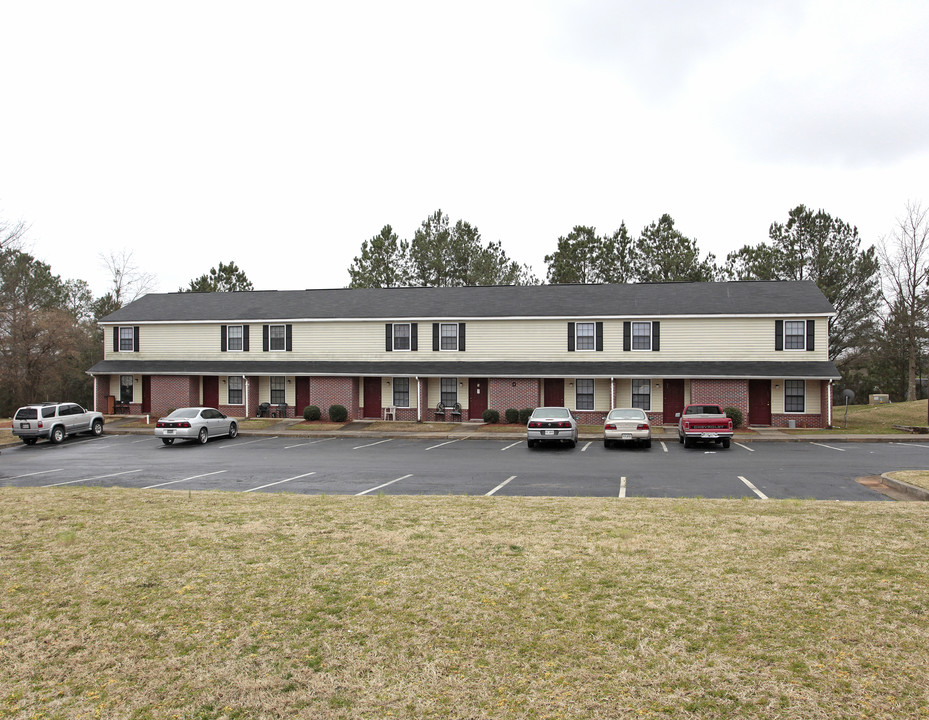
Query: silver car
(547,424)
(194,423)
(627,425)
(55,421)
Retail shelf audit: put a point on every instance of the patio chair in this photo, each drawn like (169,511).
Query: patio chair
(390,413)
(264,410)
(456,412)
(440,411)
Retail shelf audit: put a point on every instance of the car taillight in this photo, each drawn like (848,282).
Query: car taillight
(184,424)
(159,424)
(610,426)
(687,425)
(564,424)
(642,427)
(40,424)
(730,423)
(535,424)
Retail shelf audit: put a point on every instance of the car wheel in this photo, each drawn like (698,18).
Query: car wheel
(687,442)
(648,443)
(233,430)
(167,441)
(203,436)
(572,443)
(680,438)
(607,443)
(530,443)
(726,442)
(29,441)
(58,434)
(97,428)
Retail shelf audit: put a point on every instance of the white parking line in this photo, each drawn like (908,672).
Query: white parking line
(448,442)
(520,442)
(40,472)
(753,488)
(743,446)
(138,441)
(372,444)
(827,446)
(586,446)
(295,477)
(98,477)
(501,485)
(910,444)
(663,446)
(622,486)
(193,477)
(312,442)
(247,442)
(371,490)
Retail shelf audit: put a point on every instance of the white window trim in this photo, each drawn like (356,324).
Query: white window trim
(577,327)
(632,336)
(409,337)
(271,340)
(794,412)
(283,380)
(229,379)
(592,394)
(632,393)
(409,391)
(457,335)
(456,389)
(802,336)
(131,330)
(229,348)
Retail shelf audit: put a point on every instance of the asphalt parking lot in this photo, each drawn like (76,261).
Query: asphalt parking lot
(467,466)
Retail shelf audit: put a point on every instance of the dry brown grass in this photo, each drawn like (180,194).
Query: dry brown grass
(919,478)
(878,419)
(148,605)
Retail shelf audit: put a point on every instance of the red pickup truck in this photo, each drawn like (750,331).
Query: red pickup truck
(704,423)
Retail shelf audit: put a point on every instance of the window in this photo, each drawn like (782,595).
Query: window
(585,336)
(795,335)
(641,336)
(235,390)
(401,392)
(277,389)
(448,334)
(277,338)
(585,392)
(642,394)
(126,339)
(401,336)
(234,337)
(794,396)
(449,391)
(125,385)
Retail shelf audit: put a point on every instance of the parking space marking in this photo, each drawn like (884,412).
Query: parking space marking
(827,446)
(622,486)
(448,442)
(501,485)
(98,477)
(371,490)
(247,442)
(586,446)
(519,442)
(753,488)
(372,444)
(279,482)
(138,441)
(910,444)
(663,446)
(743,446)
(40,472)
(193,477)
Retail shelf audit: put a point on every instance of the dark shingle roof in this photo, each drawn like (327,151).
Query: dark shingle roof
(655,300)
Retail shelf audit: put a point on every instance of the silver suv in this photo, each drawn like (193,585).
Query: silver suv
(55,421)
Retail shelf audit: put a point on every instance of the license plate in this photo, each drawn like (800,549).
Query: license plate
(169,432)
(24,426)
(627,436)
(710,435)
(549,432)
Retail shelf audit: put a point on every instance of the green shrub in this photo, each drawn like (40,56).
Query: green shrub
(338,413)
(491,416)
(311,412)
(524,415)
(735,415)
(512,416)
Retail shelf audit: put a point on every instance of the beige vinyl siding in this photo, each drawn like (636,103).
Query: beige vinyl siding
(387,392)
(812,404)
(136,387)
(434,392)
(624,393)
(290,390)
(601,395)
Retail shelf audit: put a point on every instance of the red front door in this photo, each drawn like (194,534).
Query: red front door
(302,397)
(477,397)
(554,392)
(759,402)
(146,393)
(673,400)
(372,390)
(211,391)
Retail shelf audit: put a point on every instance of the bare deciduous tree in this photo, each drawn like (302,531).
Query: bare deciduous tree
(11,234)
(128,281)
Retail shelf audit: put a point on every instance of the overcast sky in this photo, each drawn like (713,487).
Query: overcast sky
(281,135)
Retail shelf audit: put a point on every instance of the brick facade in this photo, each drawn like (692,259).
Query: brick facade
(328,391)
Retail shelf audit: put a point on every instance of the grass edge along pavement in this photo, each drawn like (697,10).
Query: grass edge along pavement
(120,603)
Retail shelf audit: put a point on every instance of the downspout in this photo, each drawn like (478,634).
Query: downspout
(612,392)
(829,404)
(95,393)
(245,380)
(419,401)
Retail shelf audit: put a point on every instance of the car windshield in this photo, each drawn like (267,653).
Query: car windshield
(185,413)
(551,412)
(27,414)
(626,415)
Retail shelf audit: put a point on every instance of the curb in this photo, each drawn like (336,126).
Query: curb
(911,491)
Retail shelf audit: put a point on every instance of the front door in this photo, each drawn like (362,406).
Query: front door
(759,402)
(211,391)
(302,397)
(554,392)
(477,397)
(146,393)
(372,390)
(673,400)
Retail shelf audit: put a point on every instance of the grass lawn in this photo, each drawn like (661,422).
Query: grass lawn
(118,603)
(919,478)
(880,419)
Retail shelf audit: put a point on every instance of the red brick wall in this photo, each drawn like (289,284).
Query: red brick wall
(170,392)
(728,393)
(327,391)
(517,393)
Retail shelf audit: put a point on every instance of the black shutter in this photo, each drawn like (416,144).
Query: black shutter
(778,334)
(245,338)
(222,338)
(264,338)
(599,345)
(461,337)
(627,336)
(810,335)
(570,337)
(656,335)
(390,336)
(435,336)
(135,339)
(289,338)
(414,333)
(116,339)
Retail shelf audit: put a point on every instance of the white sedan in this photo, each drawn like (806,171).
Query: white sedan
(194,423)
(627,425)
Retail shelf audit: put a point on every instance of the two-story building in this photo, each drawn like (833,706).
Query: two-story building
(761,347)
